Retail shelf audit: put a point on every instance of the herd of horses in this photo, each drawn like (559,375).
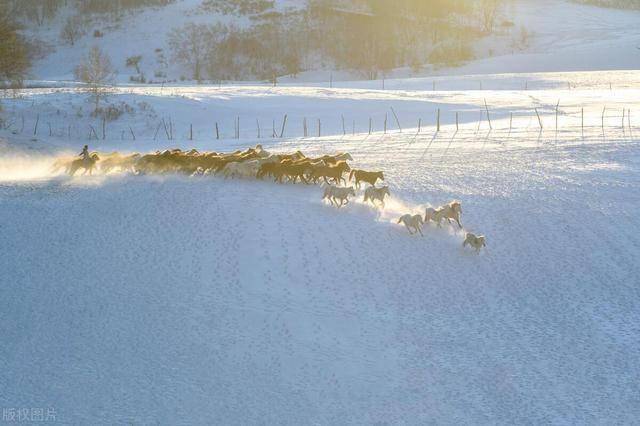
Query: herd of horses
(257,163)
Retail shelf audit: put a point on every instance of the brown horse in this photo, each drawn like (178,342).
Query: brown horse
(334,172)
(87,164)
(363,176)
(295,171)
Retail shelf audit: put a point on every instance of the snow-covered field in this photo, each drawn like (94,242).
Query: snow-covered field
(174,300)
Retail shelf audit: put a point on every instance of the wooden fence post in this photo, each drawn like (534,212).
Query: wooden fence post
(284,124)
(319,128)
(539,119)
(457,122)
(488,117)
(217,131)
(35,128)
(438,121)
(344,131)
(132,134)
(397,121)
(258,126)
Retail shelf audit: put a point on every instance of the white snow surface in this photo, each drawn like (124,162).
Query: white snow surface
(176,300)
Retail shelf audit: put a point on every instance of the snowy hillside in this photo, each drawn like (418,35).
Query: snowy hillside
(558,36)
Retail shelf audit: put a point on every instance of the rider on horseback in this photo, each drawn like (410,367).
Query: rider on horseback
(85,155)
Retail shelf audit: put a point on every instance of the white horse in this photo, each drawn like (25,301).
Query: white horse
(250,168)
(334,193)
(240,170)
(198,172)
(246,169)
(414,222)
(345,156)
(270,159)
(261,152)
(374,194)
(475,241)
(230,170)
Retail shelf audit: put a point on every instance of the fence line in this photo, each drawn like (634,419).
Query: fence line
(568,118)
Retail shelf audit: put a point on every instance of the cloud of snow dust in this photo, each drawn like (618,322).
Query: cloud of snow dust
(395,208)
(21,167)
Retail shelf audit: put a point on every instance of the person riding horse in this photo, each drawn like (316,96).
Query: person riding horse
(85,155)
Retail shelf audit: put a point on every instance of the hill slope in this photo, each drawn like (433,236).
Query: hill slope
(560,36)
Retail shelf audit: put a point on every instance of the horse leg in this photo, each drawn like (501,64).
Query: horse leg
(419,230)
(459,224)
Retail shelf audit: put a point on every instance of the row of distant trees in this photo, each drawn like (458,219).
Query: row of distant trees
(16,52)
(367,36)
(619,4)
(15,57)
(42,11)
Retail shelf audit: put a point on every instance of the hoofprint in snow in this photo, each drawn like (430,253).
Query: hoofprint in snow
(170,299)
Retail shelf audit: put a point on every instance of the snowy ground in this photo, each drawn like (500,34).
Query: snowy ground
(177,300)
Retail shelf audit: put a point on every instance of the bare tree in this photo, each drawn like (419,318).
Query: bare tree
(14,52)
(73,29)
(134,61)
(96,72)
(489,13)
(189,46)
